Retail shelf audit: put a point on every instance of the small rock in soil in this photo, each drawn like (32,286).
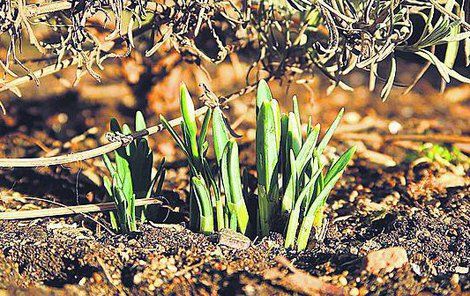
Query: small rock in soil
(461,269)
(448,180)
(386,259)
(233,239)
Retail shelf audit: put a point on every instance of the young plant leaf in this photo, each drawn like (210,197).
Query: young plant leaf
(329,133)
(202,135)
(320,199)
(230,168)
(294,216)
(306,152)
(290,192)
(266,163)
(206,217)
(189,120)
(219,133)
(297,116)
(263,94)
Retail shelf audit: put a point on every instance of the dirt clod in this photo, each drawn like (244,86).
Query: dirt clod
(385,260)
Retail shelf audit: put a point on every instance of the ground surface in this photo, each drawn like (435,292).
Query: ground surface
(383,201)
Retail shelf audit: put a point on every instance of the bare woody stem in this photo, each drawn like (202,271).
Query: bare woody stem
(71,210)
(51,69)
(35,10)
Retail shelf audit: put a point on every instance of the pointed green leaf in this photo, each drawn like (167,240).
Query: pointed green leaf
(289,197)
(189,119)
(297,116)
(263,94)
(306,152)
(267,163)
(205,127)
(219,133)
(204,204)
(329,133)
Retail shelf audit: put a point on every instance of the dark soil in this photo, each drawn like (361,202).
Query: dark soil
(61,253)
(373,207)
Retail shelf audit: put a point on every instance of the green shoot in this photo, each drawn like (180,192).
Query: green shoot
(131,177)
(293,183)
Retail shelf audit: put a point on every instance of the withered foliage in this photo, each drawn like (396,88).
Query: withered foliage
(291,36)
(338,36)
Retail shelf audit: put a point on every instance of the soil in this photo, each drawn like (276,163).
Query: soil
(375,206)
(72,258)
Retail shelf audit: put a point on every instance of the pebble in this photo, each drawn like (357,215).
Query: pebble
(461,269)
(158,283)
(454,280)
(233,239)
(171,261)
(97,278)
(343,281)
(172,268)
(354,250)
(386,259)
(137,278)
(353,196)
(354,292)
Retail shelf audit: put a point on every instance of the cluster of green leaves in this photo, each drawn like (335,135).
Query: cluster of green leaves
(208,211)
(131,176)
(292,183)
(444,155)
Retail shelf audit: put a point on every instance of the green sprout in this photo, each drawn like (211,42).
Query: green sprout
(131,176)
(293,183)
(283,155)
(450,157)
(209,209)
(204,197)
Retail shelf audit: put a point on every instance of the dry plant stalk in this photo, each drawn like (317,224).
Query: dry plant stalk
(70,210)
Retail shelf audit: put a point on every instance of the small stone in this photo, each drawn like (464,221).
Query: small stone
(137,278)
(233,239)
(385,259)
(158,282)
(416,269)
(363,291)
(249,290)
(343,281)
(353,195)
(454,280)
(394,127)
(133,242)
(448,180)
(461,269)
(354,250)
(354,292)
(172,268)
(97,278)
